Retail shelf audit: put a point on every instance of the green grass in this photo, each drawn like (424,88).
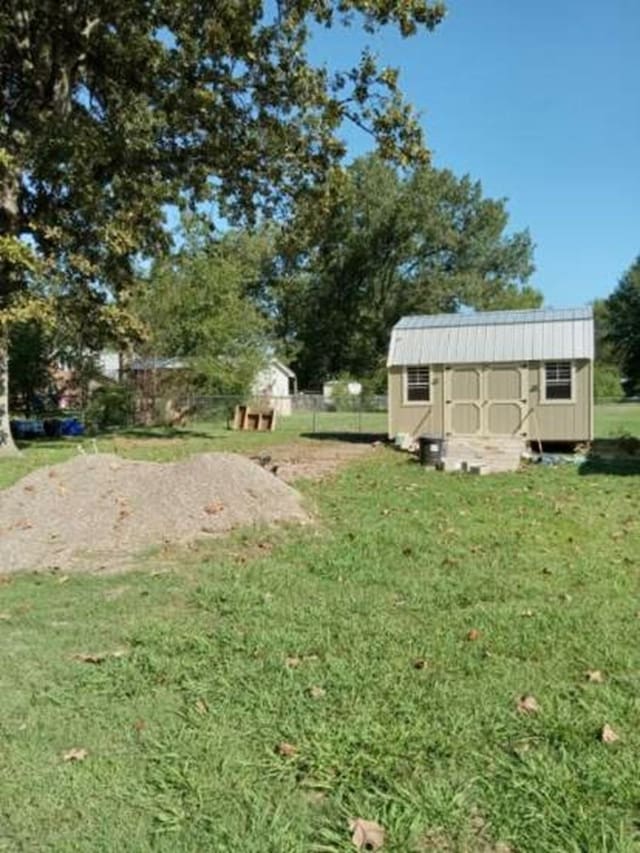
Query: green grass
(616,419)
(181,730)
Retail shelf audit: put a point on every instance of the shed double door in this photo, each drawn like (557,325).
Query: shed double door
(485,400)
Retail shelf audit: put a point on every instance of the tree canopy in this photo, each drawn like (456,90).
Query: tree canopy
(623,326)
(394,243)
(111,110)
(195,306)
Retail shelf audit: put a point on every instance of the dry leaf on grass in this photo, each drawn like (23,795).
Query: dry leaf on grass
(90,657)
(201,707)
(420,663)
(77,753)
(527,614)
(287,750)
(98,657)
(607,734)
(292,662)
(594,676)
(473,634)
(527,705)
(316,692)
(214,507)
(367,834)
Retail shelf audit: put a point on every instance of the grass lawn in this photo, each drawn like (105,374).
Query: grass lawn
(617,419)
(311,636)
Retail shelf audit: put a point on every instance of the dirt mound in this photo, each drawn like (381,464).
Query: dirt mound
(96,511)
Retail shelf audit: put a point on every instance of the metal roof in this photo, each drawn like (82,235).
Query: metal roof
(493,336)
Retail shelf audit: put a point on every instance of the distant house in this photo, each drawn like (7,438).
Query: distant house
(277,384)
(496,373)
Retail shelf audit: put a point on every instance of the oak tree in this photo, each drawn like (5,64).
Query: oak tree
(111,109)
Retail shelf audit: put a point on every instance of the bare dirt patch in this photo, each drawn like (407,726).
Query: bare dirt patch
(312,459)
(97,511)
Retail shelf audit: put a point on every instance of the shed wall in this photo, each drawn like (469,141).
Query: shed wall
(415,418)
(557,420)
(515,404)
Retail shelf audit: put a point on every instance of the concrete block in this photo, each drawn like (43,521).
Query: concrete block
(478,469)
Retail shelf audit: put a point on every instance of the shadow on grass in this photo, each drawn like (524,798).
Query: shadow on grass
(350,437)
(161,432)
(622,466)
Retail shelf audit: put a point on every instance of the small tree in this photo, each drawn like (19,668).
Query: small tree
(624,326)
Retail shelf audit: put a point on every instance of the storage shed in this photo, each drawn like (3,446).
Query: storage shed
(495,373)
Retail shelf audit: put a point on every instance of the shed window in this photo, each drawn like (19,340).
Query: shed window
(418,385)
(557,385)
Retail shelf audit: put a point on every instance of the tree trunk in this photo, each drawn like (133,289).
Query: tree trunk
(7,445)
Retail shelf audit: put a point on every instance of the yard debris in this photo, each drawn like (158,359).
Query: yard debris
(201,707)
(608,735)
(76,753)
(527,614)
(98,657)
(292,662)
(473,634)
(214,507)
(316,692)
(286,750)
(420,663)
(527,704)
(594,676)
(367,834)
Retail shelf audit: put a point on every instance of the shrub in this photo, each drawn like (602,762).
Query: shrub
(109,406)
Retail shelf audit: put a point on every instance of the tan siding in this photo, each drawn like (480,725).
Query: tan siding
(465,383)
(504,418)
(414,419)
(557,421)
(504,383)
(465,418)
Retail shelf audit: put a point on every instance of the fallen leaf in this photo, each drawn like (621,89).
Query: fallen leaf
(4,617)
(607,734)
(419,663)
(98,657)
(473,634)
(287,750)
(63,578)
(214,507)
(75,754)
(527,705)
(90,657)
(202,707)
(367,834)
(594,676)
(527,614)
(316,692)
(292,662)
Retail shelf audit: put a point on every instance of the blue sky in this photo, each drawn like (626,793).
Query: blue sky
(541,102)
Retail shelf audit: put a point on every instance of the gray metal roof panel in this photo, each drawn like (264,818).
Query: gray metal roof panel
(493,336)
(490,318)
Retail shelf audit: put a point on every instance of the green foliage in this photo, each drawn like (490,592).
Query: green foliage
(30,354)
(394,244)
(111,111)
(109,406)
(195,308)
(606,382)
(624,326)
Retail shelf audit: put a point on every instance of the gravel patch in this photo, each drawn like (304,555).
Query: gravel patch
(97,511)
